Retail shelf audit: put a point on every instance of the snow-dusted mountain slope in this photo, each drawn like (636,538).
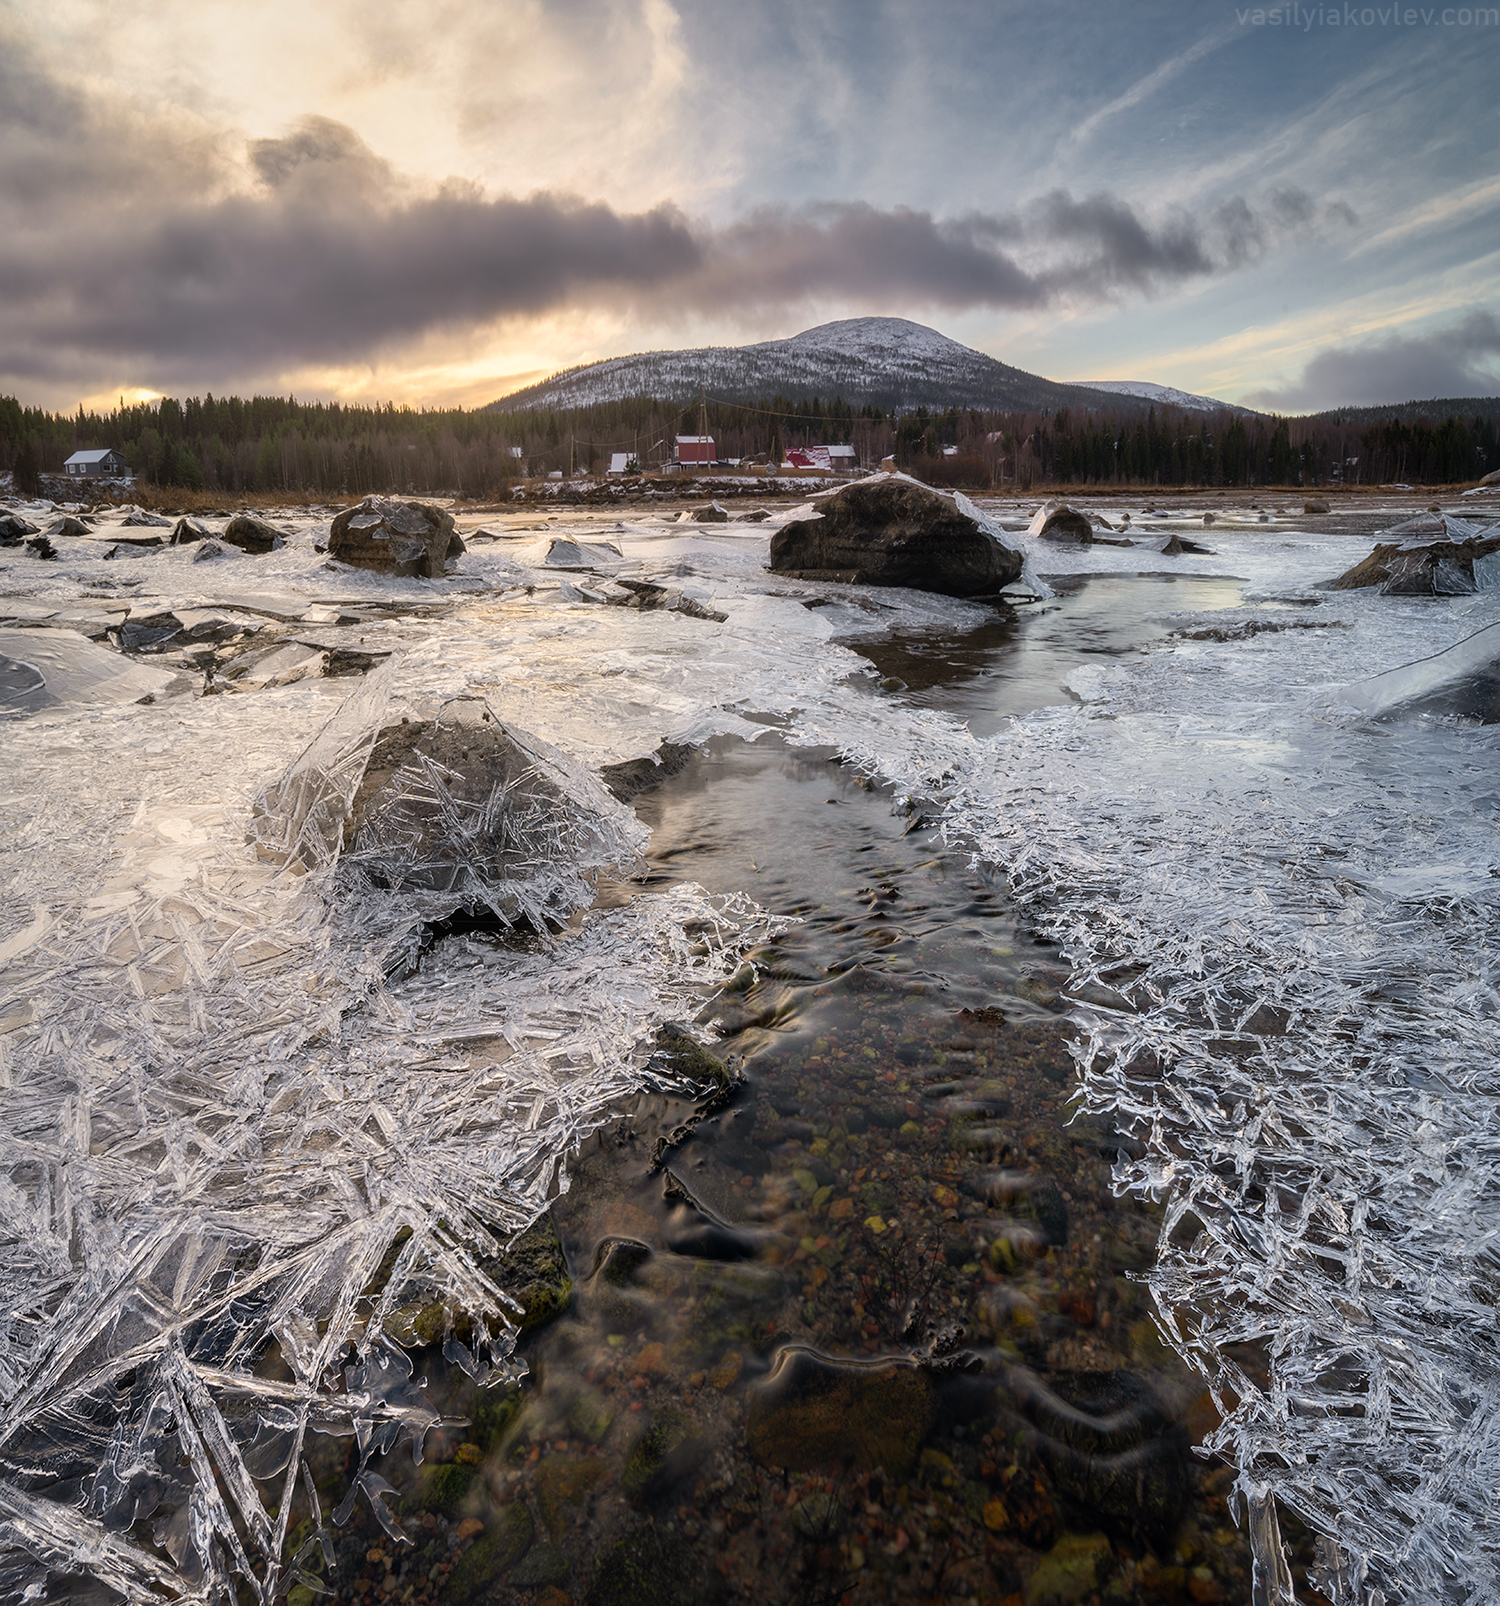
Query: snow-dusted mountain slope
(1162,395)
(889,362)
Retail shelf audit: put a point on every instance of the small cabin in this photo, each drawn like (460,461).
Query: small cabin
(107,461)
(697,450)
(619,463)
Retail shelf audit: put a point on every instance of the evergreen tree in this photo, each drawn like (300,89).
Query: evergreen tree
(26,471)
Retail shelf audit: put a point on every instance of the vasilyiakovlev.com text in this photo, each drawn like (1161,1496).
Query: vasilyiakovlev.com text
(1306,19)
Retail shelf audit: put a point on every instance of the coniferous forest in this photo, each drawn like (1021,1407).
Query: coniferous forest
(270,444)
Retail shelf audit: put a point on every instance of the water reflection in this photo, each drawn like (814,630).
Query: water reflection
(1019,661)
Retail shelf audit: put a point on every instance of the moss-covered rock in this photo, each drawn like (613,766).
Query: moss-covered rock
(562,1480)
(680,1056)
(1069,1572)
(534,1272)
(589,1417)
(813,1415)
(542,1565)
(500,1548)
(666,1452)
(648,1568)
(442,1489)
(490,1416)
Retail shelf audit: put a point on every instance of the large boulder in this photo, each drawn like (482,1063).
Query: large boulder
(1432,555)
(894,532)
(391,537)
(251,534)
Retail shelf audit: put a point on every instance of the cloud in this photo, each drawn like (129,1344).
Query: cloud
(161,249)
(1460,360)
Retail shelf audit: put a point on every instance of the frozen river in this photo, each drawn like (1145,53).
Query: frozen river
(1269,891)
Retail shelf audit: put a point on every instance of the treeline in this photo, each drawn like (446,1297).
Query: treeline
(1170,447)
(271,444)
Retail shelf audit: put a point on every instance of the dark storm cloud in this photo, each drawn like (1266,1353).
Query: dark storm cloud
(157,247)
(1460,360)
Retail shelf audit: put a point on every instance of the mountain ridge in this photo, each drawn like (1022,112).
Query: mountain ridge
(891,363)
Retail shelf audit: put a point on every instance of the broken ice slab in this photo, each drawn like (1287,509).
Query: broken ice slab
(1462,680)
(74,670)
(564,553)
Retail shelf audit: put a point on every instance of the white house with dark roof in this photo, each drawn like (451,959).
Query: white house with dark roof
(107,461)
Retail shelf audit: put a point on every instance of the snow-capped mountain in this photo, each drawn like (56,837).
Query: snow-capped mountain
(1162,395)
(886,362)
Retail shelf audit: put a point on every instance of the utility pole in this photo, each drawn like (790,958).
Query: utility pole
(703,417)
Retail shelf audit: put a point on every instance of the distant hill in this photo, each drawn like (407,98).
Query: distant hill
(1435,410)
(1163,395)
(881,362)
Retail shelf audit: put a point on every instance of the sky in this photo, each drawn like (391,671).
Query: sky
(429,202)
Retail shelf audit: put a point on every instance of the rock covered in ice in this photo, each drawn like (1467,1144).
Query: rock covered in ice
(1432,555)
(1062,524)
(1463,680)
(712,514)
(462,804)
(392,537)
(251,534)
(187,530)
(563,553)
(892,531)
(14,529)
(137,517)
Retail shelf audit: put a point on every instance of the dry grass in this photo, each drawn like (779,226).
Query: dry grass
(173,499)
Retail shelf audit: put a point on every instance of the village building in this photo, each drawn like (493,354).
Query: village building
(619,463)
(107,461)
(694,450)
(828,458)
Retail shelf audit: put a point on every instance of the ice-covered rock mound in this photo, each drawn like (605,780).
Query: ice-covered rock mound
(456,810)
(893,531)
(1432,555)
(391,537)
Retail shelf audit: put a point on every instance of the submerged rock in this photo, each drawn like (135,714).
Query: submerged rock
(1071,1571)
(651,1568)
(669,1449)
(894,532)
(534,1272)
(1432,555)
(815,1414)
(391,537)
(251,534)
